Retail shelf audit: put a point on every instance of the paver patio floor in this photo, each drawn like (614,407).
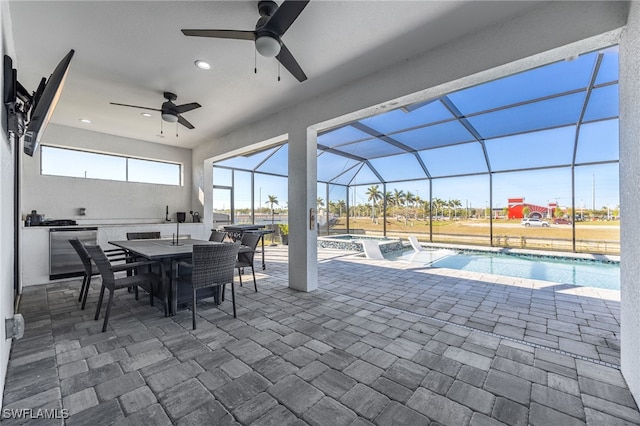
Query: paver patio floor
(379,342)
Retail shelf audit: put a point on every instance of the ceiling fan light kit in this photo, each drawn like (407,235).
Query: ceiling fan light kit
(169,118)
(268,46)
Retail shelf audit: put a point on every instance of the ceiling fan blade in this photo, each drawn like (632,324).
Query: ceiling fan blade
(285,15)
(185,123)
(136,106)
(187,107)
(233,34)
(288,61)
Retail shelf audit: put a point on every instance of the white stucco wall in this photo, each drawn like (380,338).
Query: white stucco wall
(629,200)
(60,197)
(6,215)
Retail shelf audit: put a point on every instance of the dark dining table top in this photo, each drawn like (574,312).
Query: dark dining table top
(160,249)
(243,227)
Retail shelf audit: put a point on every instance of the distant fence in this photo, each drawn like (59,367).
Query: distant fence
(582,246)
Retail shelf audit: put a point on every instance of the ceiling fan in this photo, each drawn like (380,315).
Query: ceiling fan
(170,112)
(273,23)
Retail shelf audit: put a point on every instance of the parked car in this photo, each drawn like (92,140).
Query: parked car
(531,221)
(561,221)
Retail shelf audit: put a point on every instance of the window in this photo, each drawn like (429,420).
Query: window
(84,164)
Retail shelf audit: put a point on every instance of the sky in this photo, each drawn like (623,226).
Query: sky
(549,117)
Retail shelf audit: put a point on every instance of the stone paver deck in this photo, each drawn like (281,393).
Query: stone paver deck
(380,342)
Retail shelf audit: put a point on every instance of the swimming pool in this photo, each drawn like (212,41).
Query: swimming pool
(587,273)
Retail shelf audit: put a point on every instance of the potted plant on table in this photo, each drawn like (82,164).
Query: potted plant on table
(284,233)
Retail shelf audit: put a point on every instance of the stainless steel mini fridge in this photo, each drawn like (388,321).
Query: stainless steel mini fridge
(64,262)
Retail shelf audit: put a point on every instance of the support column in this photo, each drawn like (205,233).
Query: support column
(629,202)
(303,248)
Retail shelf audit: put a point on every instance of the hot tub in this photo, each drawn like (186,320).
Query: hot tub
(354,242)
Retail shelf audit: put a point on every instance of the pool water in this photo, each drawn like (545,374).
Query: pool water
(564,270)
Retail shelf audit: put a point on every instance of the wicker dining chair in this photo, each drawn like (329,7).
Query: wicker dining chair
(110,282)
(114,255)
(150,235)
(212,265)
(245,256)
(145,235)
(217,236)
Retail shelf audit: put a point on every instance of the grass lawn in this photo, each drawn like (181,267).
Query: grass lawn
(600,231)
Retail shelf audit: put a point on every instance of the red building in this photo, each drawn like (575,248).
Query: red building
(516,206)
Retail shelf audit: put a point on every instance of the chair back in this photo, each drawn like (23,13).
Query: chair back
(250,240)
(415,243)
(103,264)
(151,235)
(217,236)
(83,254)
(213,264)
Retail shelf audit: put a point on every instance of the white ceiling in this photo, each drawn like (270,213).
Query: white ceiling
(131,51)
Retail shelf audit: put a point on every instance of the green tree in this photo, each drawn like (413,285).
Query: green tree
(557,212)
(526,210)
(271,200)
(418,205)
(320,202)
(437,205)
(375,196)
(409,199)
(333,207)
(398,197)
(455,204)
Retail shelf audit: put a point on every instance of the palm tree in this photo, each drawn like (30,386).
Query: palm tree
(409,199)
(342,205)
(437,204)
(455,204)
(332,207)
(418,203)
(389,197)
(320,202)
(271,200)
(398,197)
(374,196)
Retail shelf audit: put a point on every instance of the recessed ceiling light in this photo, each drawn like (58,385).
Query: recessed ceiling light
(85,121)
(146,114)
(202,64)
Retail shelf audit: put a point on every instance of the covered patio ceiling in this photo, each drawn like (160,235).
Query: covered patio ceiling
(561,115)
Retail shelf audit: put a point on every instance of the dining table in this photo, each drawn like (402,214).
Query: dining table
(169,251)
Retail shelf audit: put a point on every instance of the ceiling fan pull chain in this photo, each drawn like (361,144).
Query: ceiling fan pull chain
(176,129)
(278,70)
(255,62)
(161,125)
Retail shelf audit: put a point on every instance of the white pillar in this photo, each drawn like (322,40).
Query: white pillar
(303,249)
(629,200)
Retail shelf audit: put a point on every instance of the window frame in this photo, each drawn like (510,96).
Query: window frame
(109,154)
